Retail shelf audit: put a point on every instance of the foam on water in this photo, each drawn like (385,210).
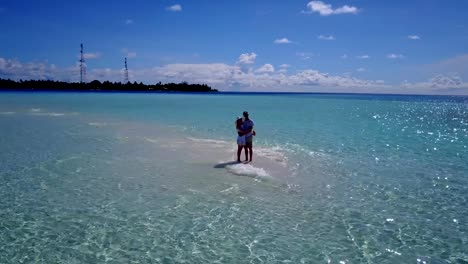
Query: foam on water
(152,140)
(54,114)
(242,169)
(97,124)
(211,141)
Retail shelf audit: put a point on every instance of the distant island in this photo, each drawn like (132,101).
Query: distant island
(106,86)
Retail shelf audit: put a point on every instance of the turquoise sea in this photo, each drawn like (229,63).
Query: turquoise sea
(149,178)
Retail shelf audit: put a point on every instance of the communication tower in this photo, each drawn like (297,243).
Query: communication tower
(126,71)
(82,65)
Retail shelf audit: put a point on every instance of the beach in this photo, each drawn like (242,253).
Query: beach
(151,178)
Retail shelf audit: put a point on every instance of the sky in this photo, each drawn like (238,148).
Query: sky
(362,46)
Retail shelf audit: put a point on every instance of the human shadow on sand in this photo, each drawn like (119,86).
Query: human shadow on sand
(225,164)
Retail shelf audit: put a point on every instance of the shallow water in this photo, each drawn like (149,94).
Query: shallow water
(148,178)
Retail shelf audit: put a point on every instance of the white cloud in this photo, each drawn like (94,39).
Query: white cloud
(14,69)
(218,75)
(129,54)
(246,58)
(414,37)
(449,84)
(346,10)
(223,76)
(322,37)
(326,9)
(363,57)
(214,73)
(105,74)
(395,56)
(361,69)
(129,21)
(91,56)
(266,68)
(174,8)
(282,41)
(283,68)
(304,55)
(316,78)
(446,81)
(232,77)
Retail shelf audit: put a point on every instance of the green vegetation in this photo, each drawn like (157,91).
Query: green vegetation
(47,85)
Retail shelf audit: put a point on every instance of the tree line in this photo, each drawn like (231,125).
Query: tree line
(106,86)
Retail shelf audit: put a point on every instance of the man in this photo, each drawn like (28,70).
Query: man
(248,126)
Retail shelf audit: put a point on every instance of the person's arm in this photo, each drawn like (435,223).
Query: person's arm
(250,129)
(241,131)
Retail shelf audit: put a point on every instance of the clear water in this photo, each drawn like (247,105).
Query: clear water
(147,178)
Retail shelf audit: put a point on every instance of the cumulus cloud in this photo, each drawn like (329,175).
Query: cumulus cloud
(363,57)
(414,37)
(214,73)
(246,58)
(219,75)
(326,9)
(316,78)
(284,68)
(282,41)
(105,74)
(266,68)
(323,37)
(395,56)
(129,21)
(223,76)
(304,55)
(174,8)
(129,54)
(450,83)
(232,77)
(91,56)
(14,69)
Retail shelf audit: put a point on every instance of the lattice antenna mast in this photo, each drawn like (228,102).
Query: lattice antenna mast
(126,71)
(82,65)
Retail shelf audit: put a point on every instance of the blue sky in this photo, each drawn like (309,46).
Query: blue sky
(313,46)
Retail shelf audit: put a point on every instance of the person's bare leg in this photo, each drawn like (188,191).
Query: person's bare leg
(246,152)
(239,151)
(251,153)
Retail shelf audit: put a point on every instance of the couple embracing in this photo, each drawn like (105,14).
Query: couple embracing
(245,133)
